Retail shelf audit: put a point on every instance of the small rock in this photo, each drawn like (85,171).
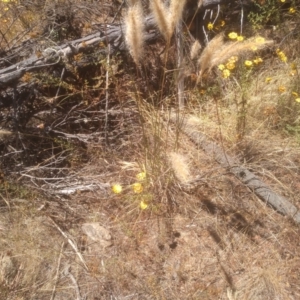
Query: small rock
(97,233)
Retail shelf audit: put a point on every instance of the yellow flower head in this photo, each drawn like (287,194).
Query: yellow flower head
(292,10)
(260,40)
(225,73)
(232,35)
(282,1)
(281,89)
(248,63)
(143,205)
(233,59)
(283,58)
(268,79)
(117,188)
(210,26)
(230,65)
(254,48)
(295,94)
(258,60)
(221,67)
(137,187)
(141,176)
(240,38)
(297,100)
(281,55)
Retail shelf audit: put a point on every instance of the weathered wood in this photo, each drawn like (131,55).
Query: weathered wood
(107,34)
(254,183)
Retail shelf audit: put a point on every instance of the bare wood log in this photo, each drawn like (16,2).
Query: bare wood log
(109,34)
(254,183)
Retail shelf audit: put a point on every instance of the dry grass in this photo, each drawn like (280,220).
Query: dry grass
(213,239)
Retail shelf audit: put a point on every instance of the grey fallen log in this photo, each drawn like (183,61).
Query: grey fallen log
(262,190)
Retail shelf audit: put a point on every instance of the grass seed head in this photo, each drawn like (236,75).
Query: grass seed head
(180,167)
(175,14)
(160,13)
(195,49)
(134,31)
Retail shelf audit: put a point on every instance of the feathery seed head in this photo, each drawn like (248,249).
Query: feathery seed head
(180,167)
(217,52)
(196,47)
(175,14)
(207,55)
(160,13)
(167,17)
(134,29)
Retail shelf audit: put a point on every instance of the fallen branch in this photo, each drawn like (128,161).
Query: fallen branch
(72,244)
(262,190)
(109,36)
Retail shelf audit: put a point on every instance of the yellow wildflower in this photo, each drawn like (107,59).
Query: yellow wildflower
(137,187)
(258,60)
(143,205)
(221,67)
(281,55)
(282,1)
(295,94)
(281,89)
(254,48)
(297,100)
(240,38)
(117,188)
(233,59)
(230,65)
(292,10)
(283,58)
(210,26)
(268,79)
(141,176)
(260,40)
(248,63)
(232,35)
(225,73)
